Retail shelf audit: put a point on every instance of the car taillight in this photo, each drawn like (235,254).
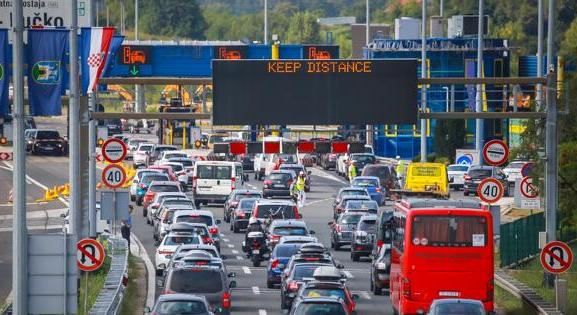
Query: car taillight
(213,230)
(194,181)
(233,204)
(206,239)
(290,181)
(378,189)
(380,243)
(164,252)
(233,183)
(467,177)
(267,182)
(490,290)
(293,286)
(338,228)
(274,264)
(407,288)
(239,214)
(226,300)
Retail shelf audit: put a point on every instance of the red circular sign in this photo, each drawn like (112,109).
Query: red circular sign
(113,176)
(114,150)
(89,255)
(556,257)
(495,152)
(490,190)
(528,189)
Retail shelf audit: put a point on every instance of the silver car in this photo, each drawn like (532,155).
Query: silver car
(344,228)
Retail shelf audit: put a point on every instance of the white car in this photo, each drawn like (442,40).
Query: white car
(169,244)
(200,216)
(139,156)
(158,198)
(342,164)
(165,218)
(513,171)
(456,174)
(166,155)
(132,146)
(136,180)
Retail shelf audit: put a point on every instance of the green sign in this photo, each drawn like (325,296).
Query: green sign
(134,70)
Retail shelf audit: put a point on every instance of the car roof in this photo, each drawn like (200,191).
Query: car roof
(181,296)
(366,177)
(351,188)
(453,301)
(356,197)
(481,167)
(178,207)
(246,191)
(297,238)
(325,299)
(281,171)
(197,212)
(287,165)
(168,193)
(277,223)
(274,202)
(163,182)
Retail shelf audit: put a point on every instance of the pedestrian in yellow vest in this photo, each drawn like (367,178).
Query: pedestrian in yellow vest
(352,171)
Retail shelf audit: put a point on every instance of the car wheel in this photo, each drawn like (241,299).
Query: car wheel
(337,246)
(132,198)
(354,257)
(465,193)
(158,272)
(138,202)
(269,285)
(235,228)
(144,214)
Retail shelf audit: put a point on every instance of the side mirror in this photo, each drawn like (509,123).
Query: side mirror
(159,283)
(311,232)
(231,275)
(355,297)
(147,309)
(232,284)
(330,223)
(218,221)
(340,266)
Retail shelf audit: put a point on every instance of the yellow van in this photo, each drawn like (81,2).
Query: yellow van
(427,178)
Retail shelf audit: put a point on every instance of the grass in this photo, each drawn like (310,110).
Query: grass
(510,304)
(133,300)
(96,281)
(531,274)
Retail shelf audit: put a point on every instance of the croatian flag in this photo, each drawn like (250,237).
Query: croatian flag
(95,42)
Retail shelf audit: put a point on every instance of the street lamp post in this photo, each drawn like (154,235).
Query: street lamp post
(423,75)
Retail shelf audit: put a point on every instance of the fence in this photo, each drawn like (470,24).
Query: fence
(519,240)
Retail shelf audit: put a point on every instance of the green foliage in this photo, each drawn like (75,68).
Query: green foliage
(449,136)
(181,19)
(568,183)
(303,29)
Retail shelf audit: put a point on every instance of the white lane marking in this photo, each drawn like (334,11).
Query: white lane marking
(365,295)
(226,240)
(246,270)
(239,258)
(261,312)
(318,201)
(234,251)
(221,235)
(324,174)
(250,186)
(348,274)
(256,290)
(150,272)
(230,245)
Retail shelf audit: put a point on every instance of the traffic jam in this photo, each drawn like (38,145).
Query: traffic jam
(217,220)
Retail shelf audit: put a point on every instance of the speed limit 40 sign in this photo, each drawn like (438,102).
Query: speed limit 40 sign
(113,176)
(490,190)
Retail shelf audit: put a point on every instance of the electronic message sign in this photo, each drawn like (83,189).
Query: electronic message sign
(230,52)
(303,92)
(134,55)
(320,52)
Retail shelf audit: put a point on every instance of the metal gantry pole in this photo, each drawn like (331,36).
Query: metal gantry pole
(479,95)
(369,128)
(551,132)
(139,101)
(265,22)
(539,96)
(74,122)
(19,231)
(423,86)
(92,166)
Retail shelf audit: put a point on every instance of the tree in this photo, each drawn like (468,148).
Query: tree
(175,18)
(303,29)
(449,136)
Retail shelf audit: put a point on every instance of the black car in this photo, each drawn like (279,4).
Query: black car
(362,159)
(364,237)
(478,173)
(233,199)
(241,214)
(292,279)
(114,126)
(278,183)
(386,174)
(45,141)
(380,270)
(297,168)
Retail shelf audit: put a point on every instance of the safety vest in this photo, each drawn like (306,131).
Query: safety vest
(300,185)
(352,171)
(400,168)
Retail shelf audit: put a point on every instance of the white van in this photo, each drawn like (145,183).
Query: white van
(213,181)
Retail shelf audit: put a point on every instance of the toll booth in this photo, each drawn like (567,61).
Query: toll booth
(181,133)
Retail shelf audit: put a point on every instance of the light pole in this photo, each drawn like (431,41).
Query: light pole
(479,95)
(423,75)
(368,128)
(265,22)
(551,132)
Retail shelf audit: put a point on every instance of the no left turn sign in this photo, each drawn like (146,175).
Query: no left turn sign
(113,150)
(113,176)
(528,190)
(89,255)
(490,190)
(556,257)
(495,152)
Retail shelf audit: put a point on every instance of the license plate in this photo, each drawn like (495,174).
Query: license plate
(279,186)
(48,148)
(256,251)
(449,293)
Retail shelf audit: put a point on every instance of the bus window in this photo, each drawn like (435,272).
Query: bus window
(449,231)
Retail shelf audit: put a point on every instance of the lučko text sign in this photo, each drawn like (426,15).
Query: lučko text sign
(303,92)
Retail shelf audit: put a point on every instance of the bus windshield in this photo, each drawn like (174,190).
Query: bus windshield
(449,231)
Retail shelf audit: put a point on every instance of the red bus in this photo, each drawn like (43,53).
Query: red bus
(440,249)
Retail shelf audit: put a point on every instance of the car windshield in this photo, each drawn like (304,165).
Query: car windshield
(247,203)
(276,211)
(195,218)
(304,271)
(177,240)
(449,231)
(184,202)
(458,168)
(286,250)
(198,230)
(211,252)
(248,195)
(279,176)
(379,171)
(214,172)
(176,167)
(361,205)
(185,163)
(162,149)
(288,158)
(368,226)
(363,158)
(459,309)
(164,188)
(181,308)
(145,147)
(196,281)
(154,177)
(328,308)
(338,293)
(350,218)
(142,174)
(356,192)
(47,134)
(480,173)
(290,230)
(366,182)
(295,169)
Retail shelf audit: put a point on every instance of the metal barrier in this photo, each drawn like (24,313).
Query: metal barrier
(110,297)
(525,294)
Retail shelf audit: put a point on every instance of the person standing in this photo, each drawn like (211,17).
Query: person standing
(352,171)
(126,225)
(300,189)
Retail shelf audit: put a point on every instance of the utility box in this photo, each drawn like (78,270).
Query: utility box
(407,28)
(466,25)
(436,26)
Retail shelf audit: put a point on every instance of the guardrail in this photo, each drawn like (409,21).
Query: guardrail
(110,297)
(525,293)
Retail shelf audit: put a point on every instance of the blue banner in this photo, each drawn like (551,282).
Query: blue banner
(46,51)
(4,73)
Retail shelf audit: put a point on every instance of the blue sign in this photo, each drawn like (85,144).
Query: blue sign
(465,160)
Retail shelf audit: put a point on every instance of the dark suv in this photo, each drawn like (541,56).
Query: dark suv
(363,237)
(478,173)
(45,141)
